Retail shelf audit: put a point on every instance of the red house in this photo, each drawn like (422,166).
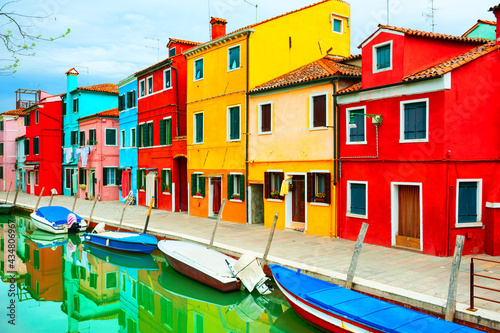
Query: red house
(419,143)
(42,146)
(161,131)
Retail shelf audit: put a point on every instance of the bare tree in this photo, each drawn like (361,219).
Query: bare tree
(16,38)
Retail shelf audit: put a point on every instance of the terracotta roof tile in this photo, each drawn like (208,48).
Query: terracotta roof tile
(108,113)
(351,57)
(185,42)
(492,9)
(161,63)
(218,20)
(15,112)
(103,87)
(486,22)
(319,69)
(454,62)
(72,71)
(476,25)
(354,87)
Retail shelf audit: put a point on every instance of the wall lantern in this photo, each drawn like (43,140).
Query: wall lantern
(376,119)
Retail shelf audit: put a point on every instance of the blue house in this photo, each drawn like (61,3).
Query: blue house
(80,102)
(20,160)
(127,105)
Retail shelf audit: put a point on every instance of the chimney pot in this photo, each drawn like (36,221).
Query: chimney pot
(218,27)
(496,12)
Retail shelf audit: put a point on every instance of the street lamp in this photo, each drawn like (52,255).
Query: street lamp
(376,118)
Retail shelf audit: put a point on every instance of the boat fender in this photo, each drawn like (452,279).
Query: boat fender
(107,242)
(298,271)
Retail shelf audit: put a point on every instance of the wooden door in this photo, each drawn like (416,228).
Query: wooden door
(216,195)
(408,217)
(298,199)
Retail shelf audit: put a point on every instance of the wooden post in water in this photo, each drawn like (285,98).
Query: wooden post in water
(39,197)
(219,217)
(7,198)
(269,240)
(451,305)
(74,202)
(92,211)
(52,192)
(17,191)
(355,256)
(123,213)
(149,214)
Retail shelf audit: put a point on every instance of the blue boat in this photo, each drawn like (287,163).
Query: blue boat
(337,309)
(123,241)
(54,219)
(141,261)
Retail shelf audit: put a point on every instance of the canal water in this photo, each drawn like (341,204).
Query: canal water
(60,284)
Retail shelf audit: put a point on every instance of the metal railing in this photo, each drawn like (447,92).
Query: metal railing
(473,285)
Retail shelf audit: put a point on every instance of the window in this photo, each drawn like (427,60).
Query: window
(92,137)
(272,182)
(233,58)
(75,105)
(357,198)
(141,179)
(166,180)
(36,116)
(110,137)
(132,137)
(1,148)
(142,88)
(82,138)
(166,132)
(233,123)
(149,85)
(111,280)
(167,74)
(131,99)
(122,141)
(337,25)
(236,187)
(121,102)
(36,177)
(1,125)
(82,176)
(382,54)
(198,128)
(111,176)
(198,69)
(265,118)
(1,172)
(318,114)
(140,136)
(319,187)
(27,120)
(150,134)
(74,138)
(93,281)
(356,135)
(69,177)
(171,52)
(197,185)
(414,121)
(27,147)
(36,145)
(469,201)
(36,259)
(64,108)
(167,312)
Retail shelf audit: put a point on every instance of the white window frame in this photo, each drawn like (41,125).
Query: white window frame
(194,69)
(228,124)
(133,129)
(228,63)
(402,121)
(348,130)
(143,83)
(479,204)
(122,139)
(168,182)
(259,129)
(348,208)
(341,25)
(75,100)
(171,141)
(164,81)
(198,184)
(115,168)
(106,137)
(236,184)
(374,56)
(194,128)
(147,85)
(311,111)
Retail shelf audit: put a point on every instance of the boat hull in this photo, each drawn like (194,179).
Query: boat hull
(118,244)
(6,209)
(141,261)
(43,224)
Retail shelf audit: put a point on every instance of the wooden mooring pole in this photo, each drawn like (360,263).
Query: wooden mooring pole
(355,256)
(7,198)
(451,305)
(17,191)
(219,217)
(52,192)
(39,197)
(74,202)
(92,211)
(123,212)
(269,240)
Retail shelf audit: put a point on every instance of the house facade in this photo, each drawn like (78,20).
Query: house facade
(222,71)
(161,131)
(418,155)
(298,110)
(79,102)
(127,107)
(11,126)
(482,29)
(20,159)
(43,122)
(98,165)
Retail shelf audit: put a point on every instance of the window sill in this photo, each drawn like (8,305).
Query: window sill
(235,200)
(274,200)
(198,197)
(142,190)
(357,216)
(382,69)
(265,133)
(319,204)
(353,143)
(232,70)
(319,128)
(234,140)
(469,225)
(196,80)
(413,140)
(197,143)
(166,193)
(110,185)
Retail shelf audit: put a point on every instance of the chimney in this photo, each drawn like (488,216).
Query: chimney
(496,12)
(71,80)
(218,27)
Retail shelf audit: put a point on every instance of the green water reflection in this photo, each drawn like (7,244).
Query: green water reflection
(63,285)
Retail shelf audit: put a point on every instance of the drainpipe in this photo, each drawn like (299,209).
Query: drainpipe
(247,100)
(334,164)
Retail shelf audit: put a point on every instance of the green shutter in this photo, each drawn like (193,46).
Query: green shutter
(145,136)
(202,186)
(163,139)
(242,188)
(163,177)
(193,184)
(170,181)
(118,177)
(36,259)
(169,131)
(104,177)
(150,129)
(235,123)
(230,186)
(139,136)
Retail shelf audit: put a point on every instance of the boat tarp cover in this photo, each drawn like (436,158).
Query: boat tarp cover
(364,309)
(56,214)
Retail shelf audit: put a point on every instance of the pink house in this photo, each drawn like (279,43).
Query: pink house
(11,126)
(99,154)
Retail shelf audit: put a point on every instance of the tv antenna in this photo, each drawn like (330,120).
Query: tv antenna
(431,15)
(388,12)
(86,72)
(256,9)
(157,47)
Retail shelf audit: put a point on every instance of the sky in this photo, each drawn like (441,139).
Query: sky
(112,39)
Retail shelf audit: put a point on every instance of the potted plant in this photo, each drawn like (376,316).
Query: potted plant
(83,187)
(198,193)
(166,188)
(320,197)
(142,188)
(275,194)
(235,197)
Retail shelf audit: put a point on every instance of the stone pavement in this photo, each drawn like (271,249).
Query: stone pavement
(410,278)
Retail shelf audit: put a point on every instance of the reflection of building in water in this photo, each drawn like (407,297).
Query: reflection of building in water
(129,316)
(91,290)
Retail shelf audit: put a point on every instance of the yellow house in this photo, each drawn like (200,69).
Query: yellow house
(222,71)
(292,139)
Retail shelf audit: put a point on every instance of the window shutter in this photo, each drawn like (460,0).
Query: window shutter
(120,103)
(319,112)
(169,180)
(281,178)
(27,147)
(242,188)
(163,132)
(145,136)
(328,185)
(35,146)
(139,136)
(193,184)
(104,176)
(202,186)
(235,123)
(150,132)
(1,148)
(230,186)
(169,131)
(163,178)
(267,184)
(310,187)
(134,98)
(130,99)
(118,177)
